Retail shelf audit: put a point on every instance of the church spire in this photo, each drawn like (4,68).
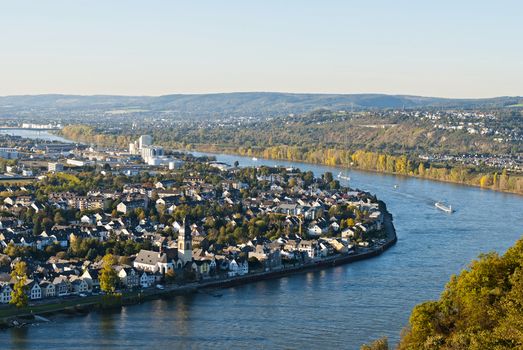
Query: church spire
(185,242)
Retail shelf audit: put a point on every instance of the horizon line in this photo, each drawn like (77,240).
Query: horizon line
(257,92)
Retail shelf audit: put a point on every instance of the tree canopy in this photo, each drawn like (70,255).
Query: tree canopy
(482,308)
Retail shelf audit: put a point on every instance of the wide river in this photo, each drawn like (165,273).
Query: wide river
(340,307)
(42,135)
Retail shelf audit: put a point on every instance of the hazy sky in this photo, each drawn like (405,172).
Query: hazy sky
(457,48)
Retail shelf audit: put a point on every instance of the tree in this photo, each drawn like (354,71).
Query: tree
(37,228)
(108,276)
(327,177)
(421,169)
(19,274)
(91,254)
(380,344)
(482,308)
(170,276)
(59,219)
(485,181)
(4,260)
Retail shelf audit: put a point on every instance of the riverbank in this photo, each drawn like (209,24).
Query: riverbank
(232,152)
(484,179)
(12,317)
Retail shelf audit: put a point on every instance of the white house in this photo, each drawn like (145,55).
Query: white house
(129,277)
(48,289)
(78,285)
(238,267)
(5,294)
(308,247)
(34,291)
(146,280)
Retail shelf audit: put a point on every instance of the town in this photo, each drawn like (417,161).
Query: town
(79,221)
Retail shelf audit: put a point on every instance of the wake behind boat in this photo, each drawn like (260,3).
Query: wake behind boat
(441,206)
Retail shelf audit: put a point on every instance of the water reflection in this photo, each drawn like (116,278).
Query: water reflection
(107,323)
(34,135)
(19,338)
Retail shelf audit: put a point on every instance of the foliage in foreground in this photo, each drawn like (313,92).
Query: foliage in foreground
(482,308)
(380,344)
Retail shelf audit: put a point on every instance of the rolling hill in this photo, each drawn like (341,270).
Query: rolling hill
(248,103)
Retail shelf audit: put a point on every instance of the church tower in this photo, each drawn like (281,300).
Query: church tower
(185,242)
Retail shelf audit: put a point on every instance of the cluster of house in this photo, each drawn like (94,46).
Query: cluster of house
(59,277)
(304,211)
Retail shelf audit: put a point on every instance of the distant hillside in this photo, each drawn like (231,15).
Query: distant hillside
(248,103)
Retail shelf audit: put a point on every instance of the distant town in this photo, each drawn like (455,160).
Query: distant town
(82,221)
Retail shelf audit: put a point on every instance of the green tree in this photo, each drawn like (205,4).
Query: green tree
(482,308)
(108,276)
(170,276)
(380,344)
(19,274)
(327,177)
(59,219)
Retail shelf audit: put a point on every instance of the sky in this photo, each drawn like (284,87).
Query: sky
(458,48)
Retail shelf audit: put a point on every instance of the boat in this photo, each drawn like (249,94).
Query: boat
(343,177)
(443,207)
(254,159)
(396,186)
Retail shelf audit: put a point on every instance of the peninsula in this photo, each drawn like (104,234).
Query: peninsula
(109,227)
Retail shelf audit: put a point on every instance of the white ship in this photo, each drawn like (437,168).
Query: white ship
(254,159)
(343,177)
(443,207)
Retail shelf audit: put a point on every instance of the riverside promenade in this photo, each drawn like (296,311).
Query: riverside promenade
(10,316)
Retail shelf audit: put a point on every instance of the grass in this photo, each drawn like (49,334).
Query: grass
(60,304)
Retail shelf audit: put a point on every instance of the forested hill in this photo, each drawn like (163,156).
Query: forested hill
(248,103)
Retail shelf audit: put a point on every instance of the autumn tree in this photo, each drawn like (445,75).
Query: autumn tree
(19,275)
(482,308)
(380,344)
(108,276)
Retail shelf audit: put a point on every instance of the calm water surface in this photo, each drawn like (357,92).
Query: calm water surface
(340,307)
(34,134)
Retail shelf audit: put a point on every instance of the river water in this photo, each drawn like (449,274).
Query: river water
(340,307)
(42,135)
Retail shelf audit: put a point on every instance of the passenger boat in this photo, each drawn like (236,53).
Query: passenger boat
(343,177)
(443,207)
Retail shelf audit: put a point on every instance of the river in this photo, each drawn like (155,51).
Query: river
(34,134)
(340,307)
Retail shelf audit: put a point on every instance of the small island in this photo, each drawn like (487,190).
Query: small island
(106,228)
